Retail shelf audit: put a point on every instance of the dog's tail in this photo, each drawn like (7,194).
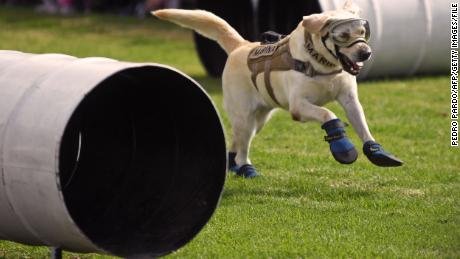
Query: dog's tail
(206,24)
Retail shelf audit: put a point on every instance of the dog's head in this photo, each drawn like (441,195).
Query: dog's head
(343,34)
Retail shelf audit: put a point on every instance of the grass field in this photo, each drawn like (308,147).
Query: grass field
(305,204)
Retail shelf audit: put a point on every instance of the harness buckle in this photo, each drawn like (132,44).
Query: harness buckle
(299,66)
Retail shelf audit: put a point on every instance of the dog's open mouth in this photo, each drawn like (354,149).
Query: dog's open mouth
(351,67)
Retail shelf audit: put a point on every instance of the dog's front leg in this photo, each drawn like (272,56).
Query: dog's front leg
(349,100)
(341,148)
(355,114)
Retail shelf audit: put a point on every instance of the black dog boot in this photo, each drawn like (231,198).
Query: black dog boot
(231,162)
(375,153)
(341,147)
(246,171)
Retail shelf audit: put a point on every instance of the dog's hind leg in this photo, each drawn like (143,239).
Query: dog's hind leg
(244,129)
(243,132)
(262,117)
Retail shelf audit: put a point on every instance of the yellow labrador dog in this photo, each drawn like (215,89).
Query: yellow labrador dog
(315,64)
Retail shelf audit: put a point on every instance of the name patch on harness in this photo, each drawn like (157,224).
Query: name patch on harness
(263,51)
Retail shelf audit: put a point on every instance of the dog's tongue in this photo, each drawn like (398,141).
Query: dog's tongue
(357,66)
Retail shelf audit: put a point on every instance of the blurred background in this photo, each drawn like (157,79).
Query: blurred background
(124,7)
(406,41)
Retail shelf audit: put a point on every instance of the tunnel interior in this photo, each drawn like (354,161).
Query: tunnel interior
(142,162)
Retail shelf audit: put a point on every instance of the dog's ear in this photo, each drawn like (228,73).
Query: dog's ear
(351,7)
(315,22)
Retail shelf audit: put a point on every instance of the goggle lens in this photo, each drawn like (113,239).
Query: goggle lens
(346,32)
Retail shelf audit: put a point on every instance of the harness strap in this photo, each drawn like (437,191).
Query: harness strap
(323,40)
(268,84)
(277,57)
(254,79)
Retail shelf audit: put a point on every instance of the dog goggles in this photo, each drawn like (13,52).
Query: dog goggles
(348,32)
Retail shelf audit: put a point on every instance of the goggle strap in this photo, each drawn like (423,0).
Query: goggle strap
(323,39)
(335,24)
(356,42)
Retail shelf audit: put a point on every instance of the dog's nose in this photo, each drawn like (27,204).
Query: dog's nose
(365,55)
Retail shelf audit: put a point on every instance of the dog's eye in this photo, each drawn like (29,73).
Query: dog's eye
(344,36)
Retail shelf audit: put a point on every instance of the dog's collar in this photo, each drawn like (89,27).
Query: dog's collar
(307,68)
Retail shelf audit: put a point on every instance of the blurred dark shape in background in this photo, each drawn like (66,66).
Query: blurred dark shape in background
(139,8)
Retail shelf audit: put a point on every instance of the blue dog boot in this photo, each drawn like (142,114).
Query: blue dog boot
(375,153)
(232,166)
(247,171)
(341,147)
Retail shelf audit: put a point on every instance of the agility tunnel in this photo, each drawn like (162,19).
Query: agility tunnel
(407,37)
(98,155)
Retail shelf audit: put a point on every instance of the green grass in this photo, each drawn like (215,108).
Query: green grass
(305,204)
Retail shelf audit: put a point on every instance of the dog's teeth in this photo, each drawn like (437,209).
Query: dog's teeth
(360,64)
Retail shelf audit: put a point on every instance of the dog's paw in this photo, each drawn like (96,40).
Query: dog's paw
(343,151)
(247,171)
(378,156)
(341,147)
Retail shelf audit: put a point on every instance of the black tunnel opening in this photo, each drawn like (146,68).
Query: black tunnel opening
(143,162)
